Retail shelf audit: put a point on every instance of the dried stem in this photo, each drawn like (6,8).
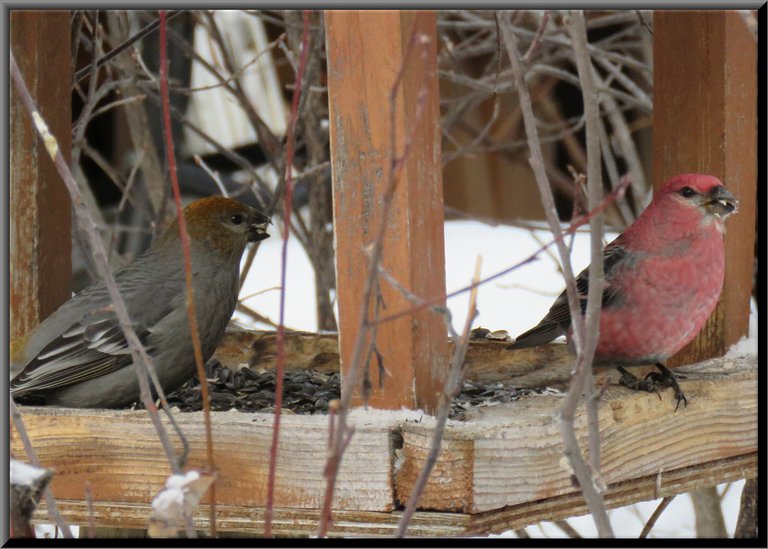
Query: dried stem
(655,516)
(143,363)
(184,236)
(582,381)
(451,388)
(50,502)
(288,200)
(361,348)
(583,340)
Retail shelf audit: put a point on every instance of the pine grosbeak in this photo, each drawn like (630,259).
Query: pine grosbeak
(79,357)
(663,277)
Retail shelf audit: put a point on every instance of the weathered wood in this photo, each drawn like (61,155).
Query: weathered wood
(40,219)
(119,453)
(303,522)
(486,361)
(512,453)
(367,52)
(705,120)
(509,454)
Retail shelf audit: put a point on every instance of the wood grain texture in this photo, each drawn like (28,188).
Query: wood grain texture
(40,218)
(366,52)
(507,460)
(303,522)
(705,120)
(517,454)
(118,452)
(486,360)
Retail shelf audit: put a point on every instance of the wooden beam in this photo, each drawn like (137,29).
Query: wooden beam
(303,522)
(40,218)
(367,50)
(512,453)
(506,455)
(119,453)
(705,120)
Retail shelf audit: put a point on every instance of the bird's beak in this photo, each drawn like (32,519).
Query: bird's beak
(258,228)
(720,202)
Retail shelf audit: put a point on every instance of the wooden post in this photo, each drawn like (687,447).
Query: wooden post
(705,120)
(366,51)
(40,216)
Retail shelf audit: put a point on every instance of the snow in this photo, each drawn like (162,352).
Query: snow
(747,345)
(23,474)
(513,302)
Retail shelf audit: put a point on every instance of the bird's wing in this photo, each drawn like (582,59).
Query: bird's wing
(92,347)
(558,319)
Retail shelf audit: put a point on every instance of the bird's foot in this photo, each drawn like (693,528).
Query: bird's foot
(653,382)
(630,381)
(665,378)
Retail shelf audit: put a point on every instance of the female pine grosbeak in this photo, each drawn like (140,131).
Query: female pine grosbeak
(663,277)
(79,357)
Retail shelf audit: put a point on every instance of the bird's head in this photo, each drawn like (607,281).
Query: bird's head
(222,223)
(706,193)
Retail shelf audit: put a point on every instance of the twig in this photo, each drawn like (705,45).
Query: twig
(451,388)
(89,506)
(82,73)
(746,523)
(655,516)
(143,363)
(342,429)
(213,175)
(582,344)
(288,198)
(582,379)
(567,529)
(536,42)
(50,502)
(184,236)
(607,201)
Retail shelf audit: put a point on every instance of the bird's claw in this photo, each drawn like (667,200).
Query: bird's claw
(630,381)
(653,382)
(665,378)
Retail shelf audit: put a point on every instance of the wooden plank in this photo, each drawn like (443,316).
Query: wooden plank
(40,219)
(298,522)
(516,452)
(705,120)
(486,361)
(118,452)
(366,52)
(507,455)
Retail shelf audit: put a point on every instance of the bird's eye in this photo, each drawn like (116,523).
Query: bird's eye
(238,218)
(687,192)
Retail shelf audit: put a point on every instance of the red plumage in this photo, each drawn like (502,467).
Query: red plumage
(663,276)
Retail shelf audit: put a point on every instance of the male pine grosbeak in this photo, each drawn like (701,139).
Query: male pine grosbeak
(663,277)
(79,357)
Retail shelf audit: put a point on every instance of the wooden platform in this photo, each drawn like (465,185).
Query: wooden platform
(502,469)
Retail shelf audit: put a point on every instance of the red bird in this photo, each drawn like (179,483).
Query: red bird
(663,277)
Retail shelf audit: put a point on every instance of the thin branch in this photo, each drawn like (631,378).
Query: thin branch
(342,429)
(451,388)
(655,516)
(50,502)
(185,245)
(82,73)
(288,199)
(582,380)
(582,344)
(607,201)
(144,366)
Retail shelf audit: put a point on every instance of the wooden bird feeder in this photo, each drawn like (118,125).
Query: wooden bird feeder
(501,469)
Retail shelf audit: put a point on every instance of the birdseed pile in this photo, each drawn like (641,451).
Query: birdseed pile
(306,391)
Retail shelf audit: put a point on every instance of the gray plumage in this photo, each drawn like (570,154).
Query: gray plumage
(79,357)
